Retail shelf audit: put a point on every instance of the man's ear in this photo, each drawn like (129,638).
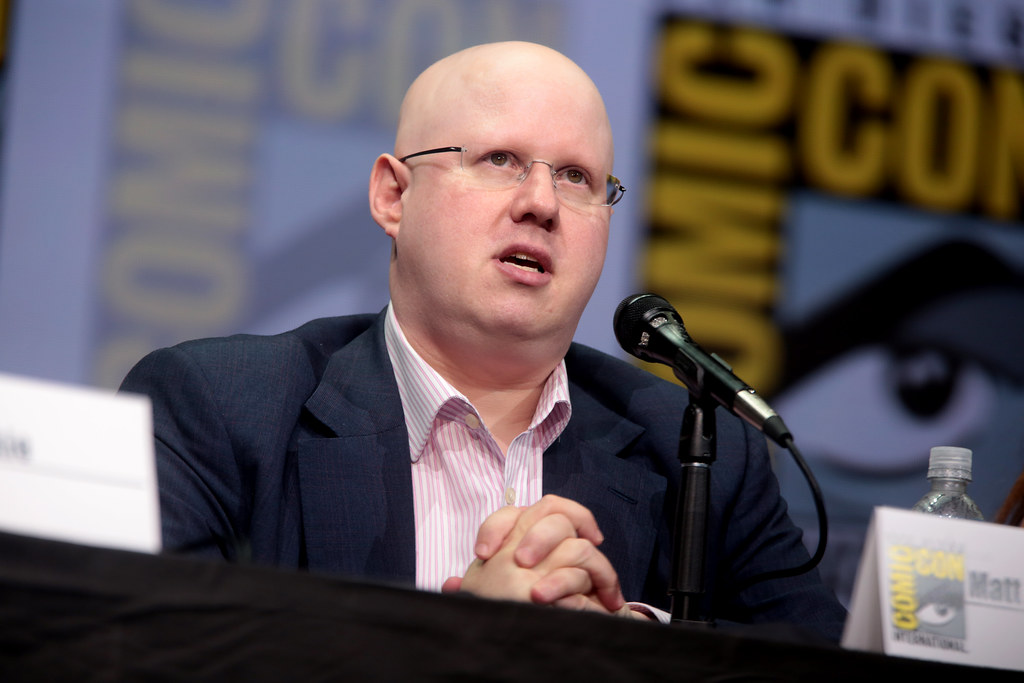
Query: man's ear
(388,181)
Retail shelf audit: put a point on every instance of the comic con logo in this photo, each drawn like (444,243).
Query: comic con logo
(926,596)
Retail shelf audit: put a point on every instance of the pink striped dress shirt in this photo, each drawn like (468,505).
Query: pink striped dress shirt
(459,474)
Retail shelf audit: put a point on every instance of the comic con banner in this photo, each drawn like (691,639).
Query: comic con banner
(834,205)
(828,191)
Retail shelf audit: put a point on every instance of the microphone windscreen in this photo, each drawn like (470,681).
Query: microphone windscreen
(630,317)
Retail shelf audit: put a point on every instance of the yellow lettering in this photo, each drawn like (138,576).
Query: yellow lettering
(719,238)
(938,135)
(193,168)
(717,241)
(761,97)
(904,602)
(230,24)
(747,338)
(940,564)
(902,554)
(906,621)
(190,76)
(924,563)
(1003,180)
(955,566)
(839,153)
(333,90)
(755,156)
(901,582)
(168,280)
(180,190)
(902,590)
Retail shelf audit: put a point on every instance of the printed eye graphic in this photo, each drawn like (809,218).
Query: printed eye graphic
(911,400)
(937,613)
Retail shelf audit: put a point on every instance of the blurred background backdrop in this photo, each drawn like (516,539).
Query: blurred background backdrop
(829,193)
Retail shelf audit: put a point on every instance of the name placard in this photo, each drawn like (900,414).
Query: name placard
(942,589)
(77,464)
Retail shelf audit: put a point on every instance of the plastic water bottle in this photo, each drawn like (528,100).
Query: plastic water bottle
(949,471)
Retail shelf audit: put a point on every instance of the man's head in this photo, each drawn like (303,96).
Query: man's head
(479,270)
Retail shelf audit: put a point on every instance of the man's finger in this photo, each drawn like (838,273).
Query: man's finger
(578,555)
(495,530)
(580,519)
(537,541)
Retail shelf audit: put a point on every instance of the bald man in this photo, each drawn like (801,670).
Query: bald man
(459,439)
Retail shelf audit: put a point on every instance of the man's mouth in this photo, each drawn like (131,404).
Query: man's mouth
(523,261)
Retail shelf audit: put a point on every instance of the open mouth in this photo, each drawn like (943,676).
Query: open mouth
(523,261)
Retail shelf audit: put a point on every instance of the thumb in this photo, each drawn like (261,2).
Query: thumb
(452,584)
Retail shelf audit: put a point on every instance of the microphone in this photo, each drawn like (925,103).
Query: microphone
(647,327)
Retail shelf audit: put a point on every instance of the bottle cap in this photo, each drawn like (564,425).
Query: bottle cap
(950,462)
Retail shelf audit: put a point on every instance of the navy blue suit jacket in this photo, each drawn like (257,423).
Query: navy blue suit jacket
(292,450)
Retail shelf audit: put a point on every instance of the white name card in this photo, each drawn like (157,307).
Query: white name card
(942,589)
(77,464)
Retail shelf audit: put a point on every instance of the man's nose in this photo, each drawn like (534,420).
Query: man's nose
(537,194)
(549,171)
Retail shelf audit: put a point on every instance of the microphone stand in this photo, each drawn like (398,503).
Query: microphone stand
(697,446)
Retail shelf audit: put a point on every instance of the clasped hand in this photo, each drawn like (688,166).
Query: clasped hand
(547,554)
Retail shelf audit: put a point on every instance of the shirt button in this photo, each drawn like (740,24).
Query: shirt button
(510,496)
(472,421)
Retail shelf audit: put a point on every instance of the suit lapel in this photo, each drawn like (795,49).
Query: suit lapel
(354,473)
(589,463)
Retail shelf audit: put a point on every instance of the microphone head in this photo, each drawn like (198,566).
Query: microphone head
(646,326)
(632,321)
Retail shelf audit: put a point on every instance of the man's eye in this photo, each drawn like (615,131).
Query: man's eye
(575,176)
(498,158)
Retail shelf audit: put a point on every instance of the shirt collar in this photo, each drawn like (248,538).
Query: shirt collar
(424,393)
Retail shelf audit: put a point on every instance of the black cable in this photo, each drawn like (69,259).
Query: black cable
(819,504)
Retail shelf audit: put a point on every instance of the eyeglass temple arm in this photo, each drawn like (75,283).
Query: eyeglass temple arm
(436,150)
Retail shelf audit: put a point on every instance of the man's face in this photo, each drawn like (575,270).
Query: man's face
(464,252)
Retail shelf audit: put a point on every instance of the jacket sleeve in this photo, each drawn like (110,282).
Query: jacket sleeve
(201,500)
